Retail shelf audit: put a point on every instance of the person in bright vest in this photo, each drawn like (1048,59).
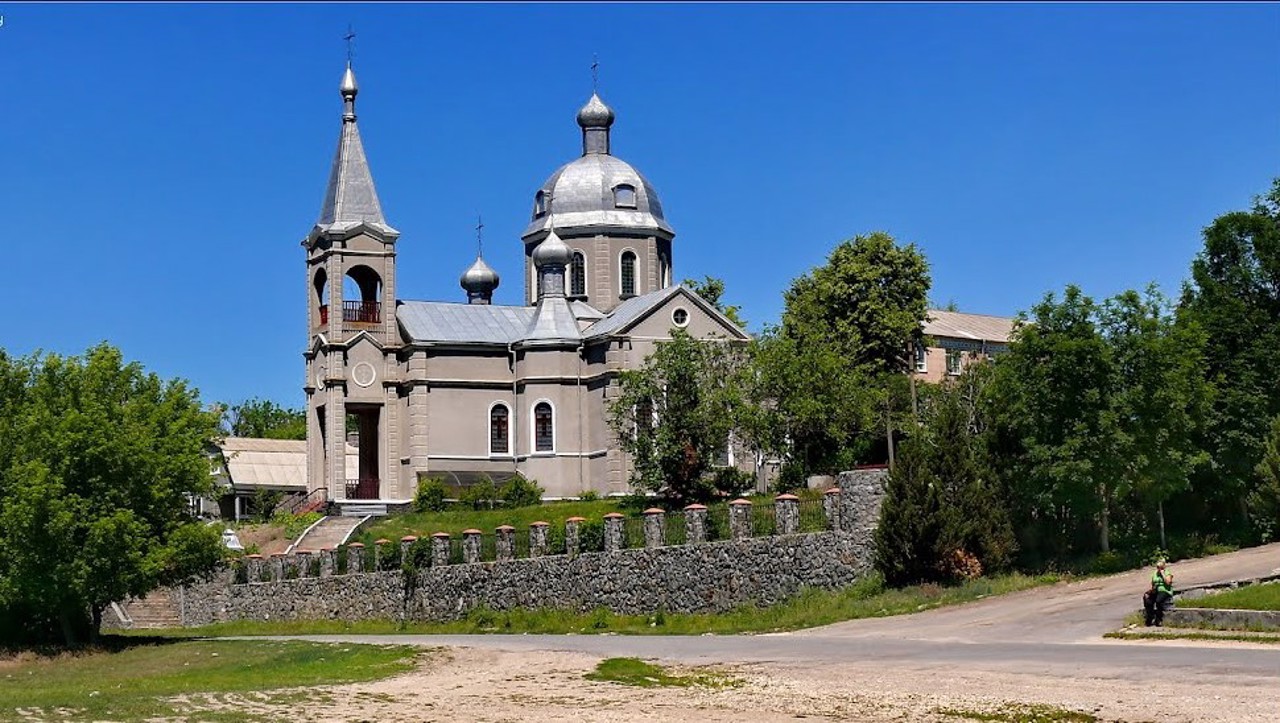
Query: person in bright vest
(1160,595)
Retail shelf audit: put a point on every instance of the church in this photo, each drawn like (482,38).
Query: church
(460,389)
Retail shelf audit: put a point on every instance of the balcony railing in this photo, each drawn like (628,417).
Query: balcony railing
(362,312)
(365,488)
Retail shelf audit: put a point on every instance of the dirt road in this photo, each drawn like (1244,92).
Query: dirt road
(1039,647)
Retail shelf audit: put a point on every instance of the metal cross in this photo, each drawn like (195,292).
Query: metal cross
(351,46)
(595,73)
(479,236)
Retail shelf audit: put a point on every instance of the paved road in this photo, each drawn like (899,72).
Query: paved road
(1055,631)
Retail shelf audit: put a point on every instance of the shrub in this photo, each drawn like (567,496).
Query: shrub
(483,495)
(1108,562)
(430,496)
(589,496)
(961,565)
(732,481)
(520,492)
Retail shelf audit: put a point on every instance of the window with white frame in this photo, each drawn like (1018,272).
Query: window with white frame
(628,269)
(544,438)
(578,275)
(922,358)
(499,429)
(624,196)
(955,361)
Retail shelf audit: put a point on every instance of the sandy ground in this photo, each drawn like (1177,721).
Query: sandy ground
(495,686)
(1041,647)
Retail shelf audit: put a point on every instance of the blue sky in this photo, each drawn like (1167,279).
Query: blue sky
(162,162)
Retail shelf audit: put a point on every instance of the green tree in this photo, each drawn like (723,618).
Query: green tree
(1055,440)
(1234,295)
(265,419)
(711,289)
(1160,399)
(98,460)
(910,527)
(674,415)
(826,376)
(1264,500)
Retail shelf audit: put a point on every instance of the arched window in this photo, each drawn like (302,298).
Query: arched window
(628,268)
(361,291)
(544,437)
(624,196)
(499,427)
(321,283)
(578,275)
(540,205)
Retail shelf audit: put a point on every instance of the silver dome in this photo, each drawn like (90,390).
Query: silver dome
(595,114)
(479,278)
(581,195)
(552,251)
(349,87)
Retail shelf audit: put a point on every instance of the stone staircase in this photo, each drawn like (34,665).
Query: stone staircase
(159,609)
(360,508)
(329,532)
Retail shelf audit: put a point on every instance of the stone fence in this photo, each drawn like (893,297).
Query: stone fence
(677,562)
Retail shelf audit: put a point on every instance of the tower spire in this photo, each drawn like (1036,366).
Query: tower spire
(350,198)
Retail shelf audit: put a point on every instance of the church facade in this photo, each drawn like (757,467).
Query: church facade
(468,388)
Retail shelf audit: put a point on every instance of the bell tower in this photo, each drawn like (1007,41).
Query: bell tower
(351,364)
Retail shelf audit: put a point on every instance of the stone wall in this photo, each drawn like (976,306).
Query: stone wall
(697,576)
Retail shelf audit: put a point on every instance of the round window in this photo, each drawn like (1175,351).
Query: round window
(680,317)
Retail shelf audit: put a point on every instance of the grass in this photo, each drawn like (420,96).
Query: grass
(810,608)
(454,521)
(633,671)
(1187,634)
(136,679)
(1265,596)
(1021,713)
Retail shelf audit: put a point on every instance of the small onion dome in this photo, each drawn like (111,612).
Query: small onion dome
(479,279)
(349,87)
(595,114)
(552,251)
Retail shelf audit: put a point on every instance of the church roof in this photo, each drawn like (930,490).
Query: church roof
(350,198)
(441,321)
(628,311)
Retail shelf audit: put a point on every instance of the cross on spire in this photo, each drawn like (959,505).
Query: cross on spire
(350,37)
(479,235)
(595,73)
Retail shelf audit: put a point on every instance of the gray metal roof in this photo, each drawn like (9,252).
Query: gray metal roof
(350,198)
(438,321)
(628,311)
(553,322)
(957,325)
(581,194)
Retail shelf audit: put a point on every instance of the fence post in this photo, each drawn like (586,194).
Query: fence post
(831,508)
(654,527)
(253,569)
(471,545)
(786,514)
(740,519)
(505,543)
(538,538)
(406,549)
(440,549)
(695,524)
(303,560)
(380,553)
(327,562)
(613,532)
(355,558)
(277,566)
(573,536)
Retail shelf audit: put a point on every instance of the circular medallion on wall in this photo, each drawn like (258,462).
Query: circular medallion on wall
(363,374)
(680,316)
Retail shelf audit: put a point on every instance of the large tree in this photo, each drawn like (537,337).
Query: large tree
(711,289)
(266,419)
(98,460)
(845,340)
(1234,295)
(675,414)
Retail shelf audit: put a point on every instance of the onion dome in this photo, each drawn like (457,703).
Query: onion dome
(349,87)
(479,279)
(552,252)
(595,114)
